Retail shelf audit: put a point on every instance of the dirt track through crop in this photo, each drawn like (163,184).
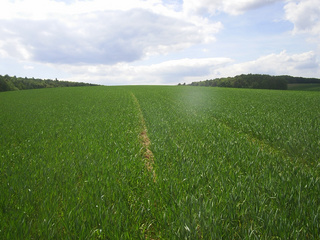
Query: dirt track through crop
(145,141)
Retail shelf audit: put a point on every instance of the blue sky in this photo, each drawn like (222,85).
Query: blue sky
(158,41)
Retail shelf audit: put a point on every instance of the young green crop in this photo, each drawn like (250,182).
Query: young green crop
(222,174)
(228,163)
(71,165)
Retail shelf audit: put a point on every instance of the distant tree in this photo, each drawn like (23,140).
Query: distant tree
(258,81)
(8,83)
(4,85)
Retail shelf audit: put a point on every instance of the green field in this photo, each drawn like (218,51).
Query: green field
(304,87)
(159,162)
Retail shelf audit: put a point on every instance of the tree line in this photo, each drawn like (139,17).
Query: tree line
(258,81)
(8,83)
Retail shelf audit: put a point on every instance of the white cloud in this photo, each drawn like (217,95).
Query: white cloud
(237,7)
(304,64)
(99,33)
(43,9)
(233,7)
(305,15)
(28,67)
(168,72)
(188,70)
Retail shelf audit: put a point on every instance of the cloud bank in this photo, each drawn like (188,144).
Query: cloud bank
(188,70)
(276,64)
(102,37)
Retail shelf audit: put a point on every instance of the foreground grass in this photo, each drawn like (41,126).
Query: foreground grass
(229,163)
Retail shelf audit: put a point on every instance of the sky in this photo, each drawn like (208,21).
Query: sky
(156,42)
